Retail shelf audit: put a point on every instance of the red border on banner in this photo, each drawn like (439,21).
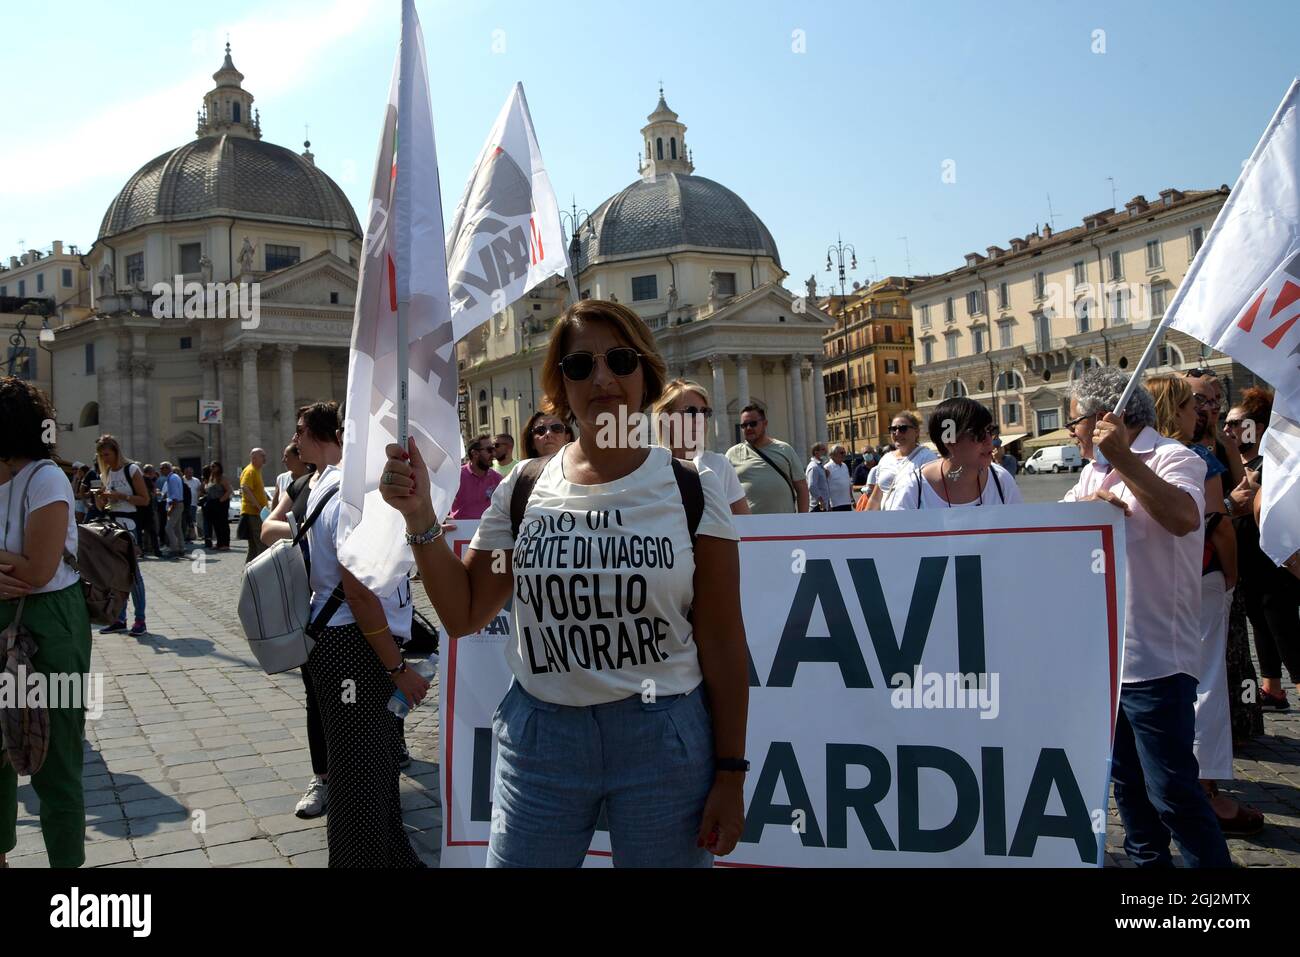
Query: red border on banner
(1112,625)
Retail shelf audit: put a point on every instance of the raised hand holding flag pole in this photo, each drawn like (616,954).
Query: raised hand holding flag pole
(401,369)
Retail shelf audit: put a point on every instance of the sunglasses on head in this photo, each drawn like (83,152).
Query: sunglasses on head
(1200,373)
(541,430)
(622,361)
(703,410)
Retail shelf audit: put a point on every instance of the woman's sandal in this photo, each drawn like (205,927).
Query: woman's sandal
(1246,821)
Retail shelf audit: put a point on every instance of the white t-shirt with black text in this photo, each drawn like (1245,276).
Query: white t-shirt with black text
(604,580)
(41,485)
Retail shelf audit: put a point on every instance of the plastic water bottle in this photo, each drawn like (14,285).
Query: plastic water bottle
(398,703)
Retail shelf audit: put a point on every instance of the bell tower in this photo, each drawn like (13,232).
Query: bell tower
(664,143)
(228,107)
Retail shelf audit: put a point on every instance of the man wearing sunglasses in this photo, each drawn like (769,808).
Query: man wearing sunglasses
(767,468)
(1207,393)
(503,450)
(477,480)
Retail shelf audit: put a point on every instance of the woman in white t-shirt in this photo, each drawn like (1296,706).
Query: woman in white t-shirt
(355,649)
(908,454)
(624,620)
(964,473)
(682,414)
(39,528)
(121,492)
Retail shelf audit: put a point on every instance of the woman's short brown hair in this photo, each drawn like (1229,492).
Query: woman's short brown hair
(1257,405)
(627,325)
(1170,393)
(321,421)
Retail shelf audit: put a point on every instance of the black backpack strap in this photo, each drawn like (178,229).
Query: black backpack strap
(691,489)
(529,471)
(919,479)
(332,604)
(997,483)
(320,506)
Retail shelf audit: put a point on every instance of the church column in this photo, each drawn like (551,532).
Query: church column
(338,363)
(819,399)
(118,421)
(140,369)
(250,409)
(288,407)
(805,393)
(228,393)
(797,436)
(721,430)
(210,363)
(742,382)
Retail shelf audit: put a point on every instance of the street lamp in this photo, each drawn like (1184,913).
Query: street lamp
(838,250)
(571,223)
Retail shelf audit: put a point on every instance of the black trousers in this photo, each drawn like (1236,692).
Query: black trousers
(218,522)
(1273,607)
(352,688)
(315,730)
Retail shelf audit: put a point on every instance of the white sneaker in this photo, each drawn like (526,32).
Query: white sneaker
(313,801)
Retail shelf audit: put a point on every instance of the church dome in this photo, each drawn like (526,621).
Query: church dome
(669,211)
(229,171)
(229,175)
(669,207)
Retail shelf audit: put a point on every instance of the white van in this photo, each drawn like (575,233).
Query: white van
(1058,458)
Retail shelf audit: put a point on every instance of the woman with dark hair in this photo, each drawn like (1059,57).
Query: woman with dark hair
(356,646)
(216,508)
(545,434)
(573,738)
(965,473)
(1271,596)
(40,529)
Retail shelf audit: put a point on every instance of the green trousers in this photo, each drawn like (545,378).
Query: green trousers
(62,629)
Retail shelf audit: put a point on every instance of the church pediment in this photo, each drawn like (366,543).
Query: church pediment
(312,281)
(771,304)
(184,439)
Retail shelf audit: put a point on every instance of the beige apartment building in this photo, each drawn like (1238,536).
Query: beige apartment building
(1014,327)
(40,291)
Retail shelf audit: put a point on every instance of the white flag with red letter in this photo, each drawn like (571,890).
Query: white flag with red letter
(506,235)
(403,272)
(1242,296)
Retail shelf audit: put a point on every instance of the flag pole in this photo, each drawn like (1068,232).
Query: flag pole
(1202,253)
(573,286)
(402,201)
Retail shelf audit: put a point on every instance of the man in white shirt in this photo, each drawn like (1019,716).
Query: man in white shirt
(839,481)
(819,493)
(1160,486)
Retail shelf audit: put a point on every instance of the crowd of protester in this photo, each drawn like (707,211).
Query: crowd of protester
(1198,586)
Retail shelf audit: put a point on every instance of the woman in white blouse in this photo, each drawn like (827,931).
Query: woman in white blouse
(39,529)
(965,473)
(686,434)
(630,684)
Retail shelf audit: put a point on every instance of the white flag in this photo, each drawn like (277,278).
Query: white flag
(1242,296)
(506,235)
(403,272)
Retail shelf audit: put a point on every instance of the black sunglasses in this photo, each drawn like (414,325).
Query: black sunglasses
(1073,422)
(750,425)
(556,427)
(621,361)
(481,448)
(1200,373)
(898,428)
(703,410)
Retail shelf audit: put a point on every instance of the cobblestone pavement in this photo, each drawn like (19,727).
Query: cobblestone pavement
(191,724)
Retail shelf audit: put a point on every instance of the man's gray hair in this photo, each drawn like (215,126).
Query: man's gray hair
(1099,390)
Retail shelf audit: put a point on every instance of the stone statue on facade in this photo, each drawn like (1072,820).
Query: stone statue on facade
(246,257)
(715,287)
(811,285)
(106,279)
(672,296)
(205,267)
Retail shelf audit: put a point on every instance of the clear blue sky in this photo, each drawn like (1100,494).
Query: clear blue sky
(848,137)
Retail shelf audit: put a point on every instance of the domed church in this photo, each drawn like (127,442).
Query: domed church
(697,264)
(225,215)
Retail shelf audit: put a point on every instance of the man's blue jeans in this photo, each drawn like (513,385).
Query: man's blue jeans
(650,764)
(1155,776)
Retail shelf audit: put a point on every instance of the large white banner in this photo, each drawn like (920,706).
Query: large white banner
(928,688)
